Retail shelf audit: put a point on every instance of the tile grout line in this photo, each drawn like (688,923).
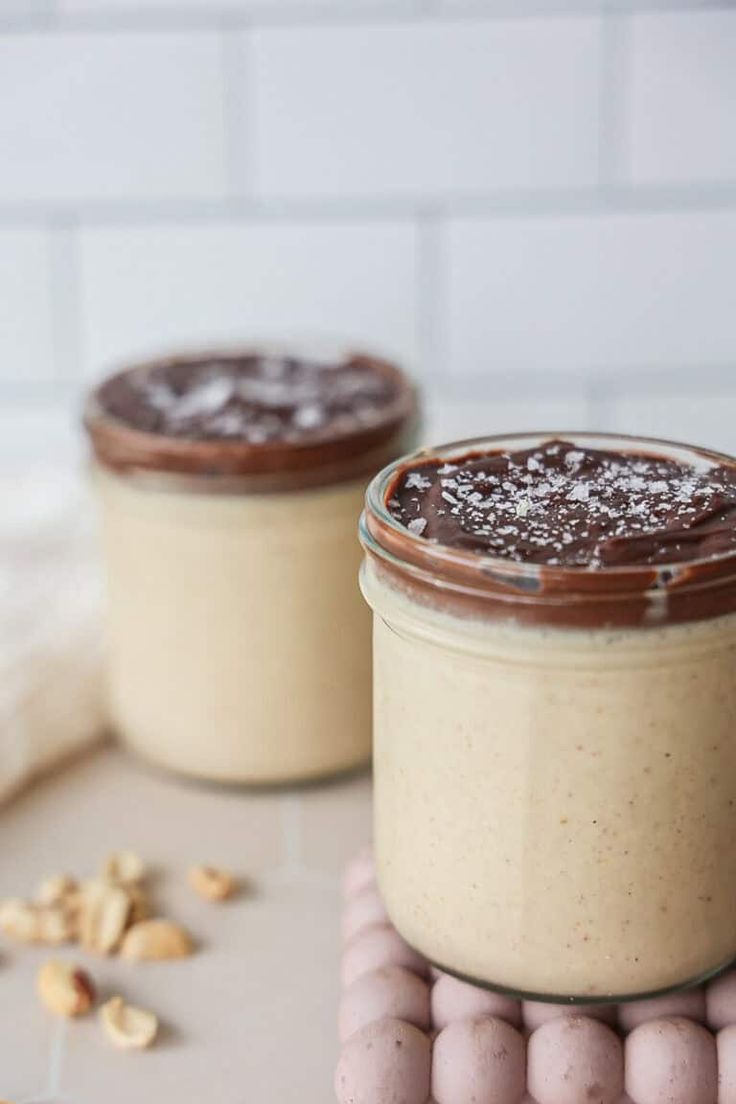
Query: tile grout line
(65,300)
(237,99)
(431,298)
(50,20)
(612,90)
(488,204)
(292,858)
(56,1058)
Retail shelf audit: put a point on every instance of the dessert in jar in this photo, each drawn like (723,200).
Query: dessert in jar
(555,711)
(229,486)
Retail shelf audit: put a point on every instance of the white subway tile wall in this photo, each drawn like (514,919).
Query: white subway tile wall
(532,204)
(425,109)
(595,294)
(26,331)
(86,117)
(681,109)
(153,286)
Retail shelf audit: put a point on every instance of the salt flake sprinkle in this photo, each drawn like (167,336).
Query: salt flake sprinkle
(567,506)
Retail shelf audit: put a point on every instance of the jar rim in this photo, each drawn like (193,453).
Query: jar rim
(614,595)
(231,464)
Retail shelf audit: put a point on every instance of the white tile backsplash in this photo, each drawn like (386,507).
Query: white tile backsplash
(451,419)
(127,116)
(681,101)
(592,294)
(425,108)
(698,417)
(32,434)
(534,204)
(150,288)
(265,8)
(26,336)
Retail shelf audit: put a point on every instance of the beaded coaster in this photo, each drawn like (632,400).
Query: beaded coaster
(413,1035)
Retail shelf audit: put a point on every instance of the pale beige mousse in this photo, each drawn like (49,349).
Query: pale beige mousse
(245,610)
(555,806)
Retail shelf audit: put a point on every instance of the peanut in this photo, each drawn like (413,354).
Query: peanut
(65,989)
(126,1026)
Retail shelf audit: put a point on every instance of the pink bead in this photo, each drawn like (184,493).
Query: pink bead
(456,1000)
(671,1061)
(386,1062)
(360,873)
(376,947)
(689,1003)
(536,1013)
(478,1060)
(720,1001)
(389,993)
(575,1060)
(726,1048)
(363,910)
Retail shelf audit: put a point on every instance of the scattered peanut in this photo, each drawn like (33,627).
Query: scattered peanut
(155,939)
(128,1027)
(65,989)
(19,920)
(211,883)
(55,889)
(104,916)
(140,906)
(125,867)
(55,925)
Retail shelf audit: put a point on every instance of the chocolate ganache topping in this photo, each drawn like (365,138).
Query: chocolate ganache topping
(562,505)
(249,398)
(253,414)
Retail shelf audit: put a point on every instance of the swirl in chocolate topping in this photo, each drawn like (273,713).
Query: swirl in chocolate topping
(250,398)
(563,505)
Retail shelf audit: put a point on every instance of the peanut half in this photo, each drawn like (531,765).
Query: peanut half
(56,889)
(19,920)
(64,988)
(212,883)
(126,1026)
(149,940)
(55,924)
(104,916)
(125,867)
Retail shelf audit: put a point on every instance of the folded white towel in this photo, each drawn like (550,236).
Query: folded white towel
(51,697)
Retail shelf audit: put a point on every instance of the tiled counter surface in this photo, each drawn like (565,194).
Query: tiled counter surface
(250,1019)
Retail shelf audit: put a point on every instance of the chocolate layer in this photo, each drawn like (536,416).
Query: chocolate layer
(562,505)
(251,398)
(253,415)
(669,558)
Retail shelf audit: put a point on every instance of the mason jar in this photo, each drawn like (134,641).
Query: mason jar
(554,751)
(239,646)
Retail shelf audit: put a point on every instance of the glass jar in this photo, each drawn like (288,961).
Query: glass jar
(554,757)
(239,645)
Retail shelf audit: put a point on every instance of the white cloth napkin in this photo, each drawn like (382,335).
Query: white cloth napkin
(51,683)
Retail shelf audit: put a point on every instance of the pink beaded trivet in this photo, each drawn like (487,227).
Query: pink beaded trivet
(413,1035)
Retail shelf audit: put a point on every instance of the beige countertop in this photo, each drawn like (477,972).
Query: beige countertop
(251,1017)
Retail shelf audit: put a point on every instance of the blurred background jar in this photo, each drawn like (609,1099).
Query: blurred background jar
(230,485)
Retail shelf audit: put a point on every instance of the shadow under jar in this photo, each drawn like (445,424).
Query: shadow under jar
(229,485)
(555,711)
